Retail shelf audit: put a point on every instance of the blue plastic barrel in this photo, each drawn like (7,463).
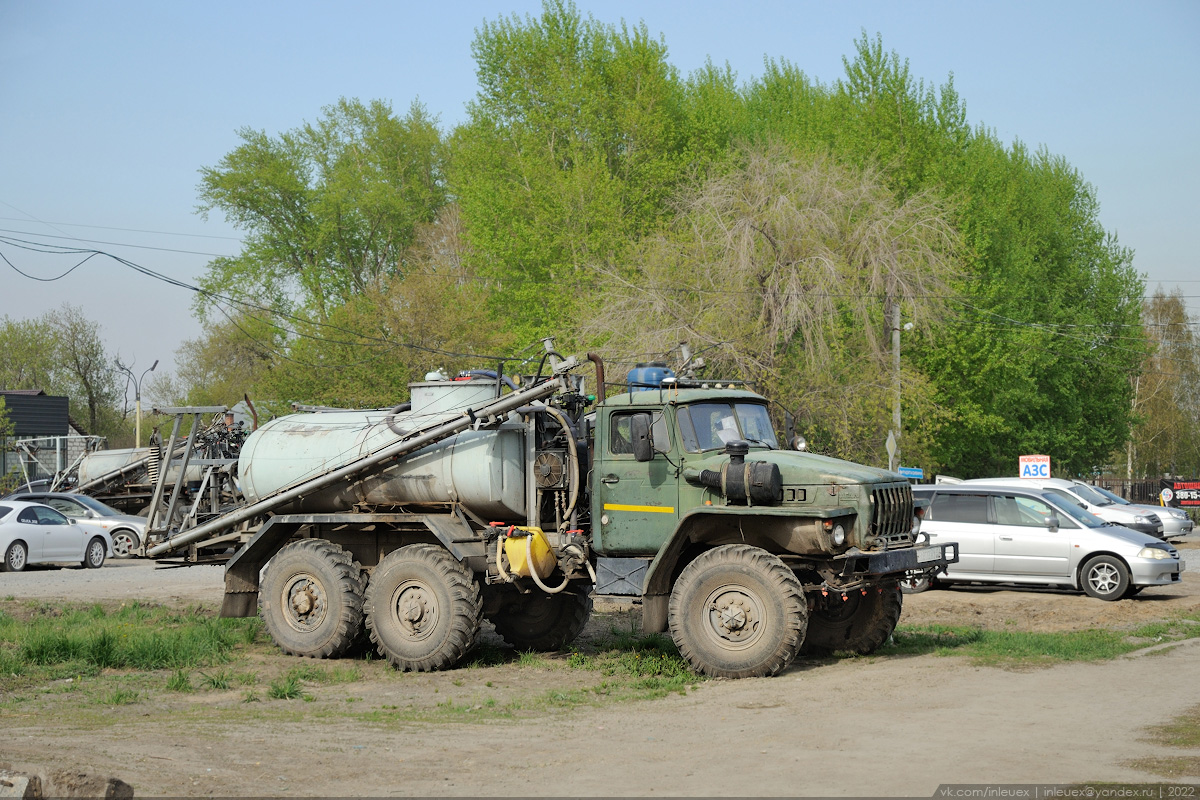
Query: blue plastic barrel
(645,377)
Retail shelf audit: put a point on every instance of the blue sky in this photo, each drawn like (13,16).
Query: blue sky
(109,110)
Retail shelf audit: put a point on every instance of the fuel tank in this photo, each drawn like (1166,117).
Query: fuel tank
(483,470)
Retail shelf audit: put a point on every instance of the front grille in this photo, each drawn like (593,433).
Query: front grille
(892,514)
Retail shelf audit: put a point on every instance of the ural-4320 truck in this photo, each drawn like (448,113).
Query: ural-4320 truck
(482,498)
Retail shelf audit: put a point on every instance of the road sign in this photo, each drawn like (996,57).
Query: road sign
(1034,466)
(916,473)
(891,448)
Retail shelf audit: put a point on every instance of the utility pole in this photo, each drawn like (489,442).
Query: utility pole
(896,371)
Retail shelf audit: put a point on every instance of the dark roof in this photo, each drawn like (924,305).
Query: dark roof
(23,392)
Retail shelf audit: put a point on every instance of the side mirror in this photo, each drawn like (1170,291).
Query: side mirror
(1052,522)
(643,442)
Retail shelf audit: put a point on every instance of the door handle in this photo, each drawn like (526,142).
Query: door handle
(609,479)
(1006,538)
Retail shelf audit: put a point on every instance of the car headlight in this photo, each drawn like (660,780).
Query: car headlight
(1153,552)
(1141,520)
(1177,513)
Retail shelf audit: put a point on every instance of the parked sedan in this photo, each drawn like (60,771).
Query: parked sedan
(1010,534)
(127,532)
(1176,521)
(31,533)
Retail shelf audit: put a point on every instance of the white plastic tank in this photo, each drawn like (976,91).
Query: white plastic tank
(484,470)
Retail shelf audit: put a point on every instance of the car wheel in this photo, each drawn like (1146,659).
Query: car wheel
(93,557)
(16,557)
(125,544)
(915,583)
(1105,578)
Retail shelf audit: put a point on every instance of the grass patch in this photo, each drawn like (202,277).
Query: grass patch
(119,697)
(1012,648)
(1183,731)
(218,680)
(180,681)
(86,639)
(286,688)
(1169,766)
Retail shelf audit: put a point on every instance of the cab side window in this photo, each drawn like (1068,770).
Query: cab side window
(959,508)
(620,434)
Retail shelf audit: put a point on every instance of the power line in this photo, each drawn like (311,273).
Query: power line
(119,244)
(136,230)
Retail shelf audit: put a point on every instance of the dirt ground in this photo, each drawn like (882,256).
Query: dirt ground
(878,726)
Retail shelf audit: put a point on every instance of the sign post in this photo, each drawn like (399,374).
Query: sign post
(1034,466)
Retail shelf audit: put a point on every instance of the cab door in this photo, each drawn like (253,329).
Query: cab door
(636,503)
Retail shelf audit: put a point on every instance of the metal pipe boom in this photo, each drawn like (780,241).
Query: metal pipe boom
(418,438)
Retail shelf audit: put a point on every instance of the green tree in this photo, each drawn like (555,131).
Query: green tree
(1166,394)
(328,209)
(779,268)
(63,352)
(571,148)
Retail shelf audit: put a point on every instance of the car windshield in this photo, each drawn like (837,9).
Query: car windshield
(1091,495)
(96,505)
(1075,511)
(711,426)
(1116,498)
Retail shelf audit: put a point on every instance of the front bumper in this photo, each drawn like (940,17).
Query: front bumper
(859,564)
(1154,529)
(1155,571)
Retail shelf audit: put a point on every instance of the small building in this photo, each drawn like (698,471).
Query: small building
(33,414)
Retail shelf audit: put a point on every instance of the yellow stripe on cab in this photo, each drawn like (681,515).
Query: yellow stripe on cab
(649,509)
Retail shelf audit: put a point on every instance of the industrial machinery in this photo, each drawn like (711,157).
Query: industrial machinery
(485,497)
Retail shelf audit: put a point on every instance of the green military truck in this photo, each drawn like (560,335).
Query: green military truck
(483,498)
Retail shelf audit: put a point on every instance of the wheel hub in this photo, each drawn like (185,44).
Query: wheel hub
(734,616)
(1104,578)
(416,609)
(304,599)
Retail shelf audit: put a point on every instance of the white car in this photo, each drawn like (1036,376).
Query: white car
(31,533)
(1176,522)
(127,532)
(1086,497)
(1024,535)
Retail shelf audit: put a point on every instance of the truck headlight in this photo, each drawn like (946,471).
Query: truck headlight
(1153,552)
(839,535)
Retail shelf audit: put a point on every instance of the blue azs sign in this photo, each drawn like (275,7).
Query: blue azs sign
(1034,466)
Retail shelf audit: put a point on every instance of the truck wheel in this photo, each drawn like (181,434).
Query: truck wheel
(544,622)
(312,599)
(1105,578)
(737,612)
(860,623)
(423,608)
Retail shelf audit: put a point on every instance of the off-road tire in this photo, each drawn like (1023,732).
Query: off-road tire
(95,553)
(737,611)
(312,599)
(858,624)
(124,543)
(1104,577)
(543,622)
(16,557)
(423,608)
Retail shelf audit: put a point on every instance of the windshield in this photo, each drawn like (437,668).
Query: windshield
(710,426)
(1116,498)
(1075,511)
(1091,495)
(96,505)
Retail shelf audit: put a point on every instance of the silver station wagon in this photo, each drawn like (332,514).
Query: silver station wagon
(1010,534)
